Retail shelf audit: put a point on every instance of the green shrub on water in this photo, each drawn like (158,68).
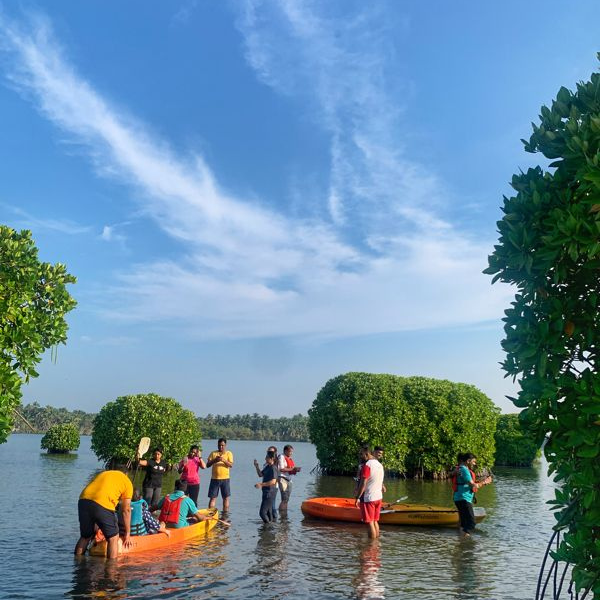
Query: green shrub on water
(516,446)
(121,424)
(422,423)
(60,439)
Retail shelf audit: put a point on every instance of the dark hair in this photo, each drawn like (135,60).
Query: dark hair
(468,456)
(288,447)
(221,440)
(378,449)
(180,486)
(272,449)
(194,447)
(157,449)
(271,454)
(136,494)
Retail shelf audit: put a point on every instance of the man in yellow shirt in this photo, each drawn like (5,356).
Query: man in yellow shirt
(97,506)
(221,461)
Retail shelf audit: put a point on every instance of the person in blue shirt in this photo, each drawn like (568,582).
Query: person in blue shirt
(268,486)
(177,508)
(464,484)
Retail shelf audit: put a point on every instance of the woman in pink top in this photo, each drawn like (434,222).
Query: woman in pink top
(188,467)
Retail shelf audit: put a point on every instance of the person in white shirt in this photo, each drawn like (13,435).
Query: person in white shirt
(287,469)
(369,494)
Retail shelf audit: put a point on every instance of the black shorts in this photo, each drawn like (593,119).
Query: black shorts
(219,484)
(91,514)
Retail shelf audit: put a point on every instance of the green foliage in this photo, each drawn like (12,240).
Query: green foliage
(422,423)
(33,304)
(549,248)
(255,427)
(515,445)
(121,424)
(61,438)
(44,417)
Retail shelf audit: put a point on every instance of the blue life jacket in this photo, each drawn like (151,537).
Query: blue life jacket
(138,527)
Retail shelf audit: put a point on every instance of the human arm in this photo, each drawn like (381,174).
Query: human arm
(264,484)
(283,465)
(126,512)
(258,469)
(142,462)
(360,489)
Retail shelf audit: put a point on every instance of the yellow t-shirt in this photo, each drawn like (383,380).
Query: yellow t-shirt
(219,470)
(108,488)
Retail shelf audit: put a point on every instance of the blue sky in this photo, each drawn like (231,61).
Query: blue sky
(258,196)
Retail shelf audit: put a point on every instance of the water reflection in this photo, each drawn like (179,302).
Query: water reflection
(367,584)
(93,578)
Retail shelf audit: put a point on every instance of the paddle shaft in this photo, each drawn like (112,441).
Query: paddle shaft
(142,449)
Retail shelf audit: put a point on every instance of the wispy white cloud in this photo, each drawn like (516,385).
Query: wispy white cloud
(245,269)
(21,219)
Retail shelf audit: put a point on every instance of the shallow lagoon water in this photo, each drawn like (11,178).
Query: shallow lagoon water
(294,558)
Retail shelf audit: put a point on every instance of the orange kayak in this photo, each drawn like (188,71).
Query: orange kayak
(141,543)
(344,509)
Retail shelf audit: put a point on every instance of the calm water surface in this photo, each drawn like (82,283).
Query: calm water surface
(293,559)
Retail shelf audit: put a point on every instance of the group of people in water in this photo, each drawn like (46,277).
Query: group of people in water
(110,504)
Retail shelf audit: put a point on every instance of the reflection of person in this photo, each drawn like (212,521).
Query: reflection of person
(221,461)
(97,507)
(464,485)
(370,493)
(152,484)
(287,469)
(259,472)
(368,585)
(268,485)
(189,467)
(177,508)
(92,578)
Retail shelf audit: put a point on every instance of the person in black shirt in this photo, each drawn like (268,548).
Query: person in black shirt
(268,488)
(152,484)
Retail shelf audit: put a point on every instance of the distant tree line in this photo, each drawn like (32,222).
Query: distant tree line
(255,427)
(41,418)
(234,427)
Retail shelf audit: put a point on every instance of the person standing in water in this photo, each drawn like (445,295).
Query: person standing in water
(221,461)
(152,484)
(369,494)
(189,468)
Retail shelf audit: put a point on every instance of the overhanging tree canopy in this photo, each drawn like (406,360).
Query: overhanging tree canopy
(33,303)
(549,248)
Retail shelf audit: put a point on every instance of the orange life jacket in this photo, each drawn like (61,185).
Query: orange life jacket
(170,510)
(455,478)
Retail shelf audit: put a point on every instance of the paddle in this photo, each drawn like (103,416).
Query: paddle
(142,449)
(388,504)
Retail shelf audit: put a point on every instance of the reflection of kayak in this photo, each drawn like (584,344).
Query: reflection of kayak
(343,509)
(140,543)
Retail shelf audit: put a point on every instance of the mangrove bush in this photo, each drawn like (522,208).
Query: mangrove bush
(121,424)
(422,423)
(516,446)
(60,439)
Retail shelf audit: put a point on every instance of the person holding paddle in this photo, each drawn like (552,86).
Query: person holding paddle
(152,484)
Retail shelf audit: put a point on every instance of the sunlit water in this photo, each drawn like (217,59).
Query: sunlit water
(294,558)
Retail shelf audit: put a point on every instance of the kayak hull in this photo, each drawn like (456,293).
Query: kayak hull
(344,509)
(142,543)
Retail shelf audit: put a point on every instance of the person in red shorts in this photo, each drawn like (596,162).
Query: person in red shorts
(369,494)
